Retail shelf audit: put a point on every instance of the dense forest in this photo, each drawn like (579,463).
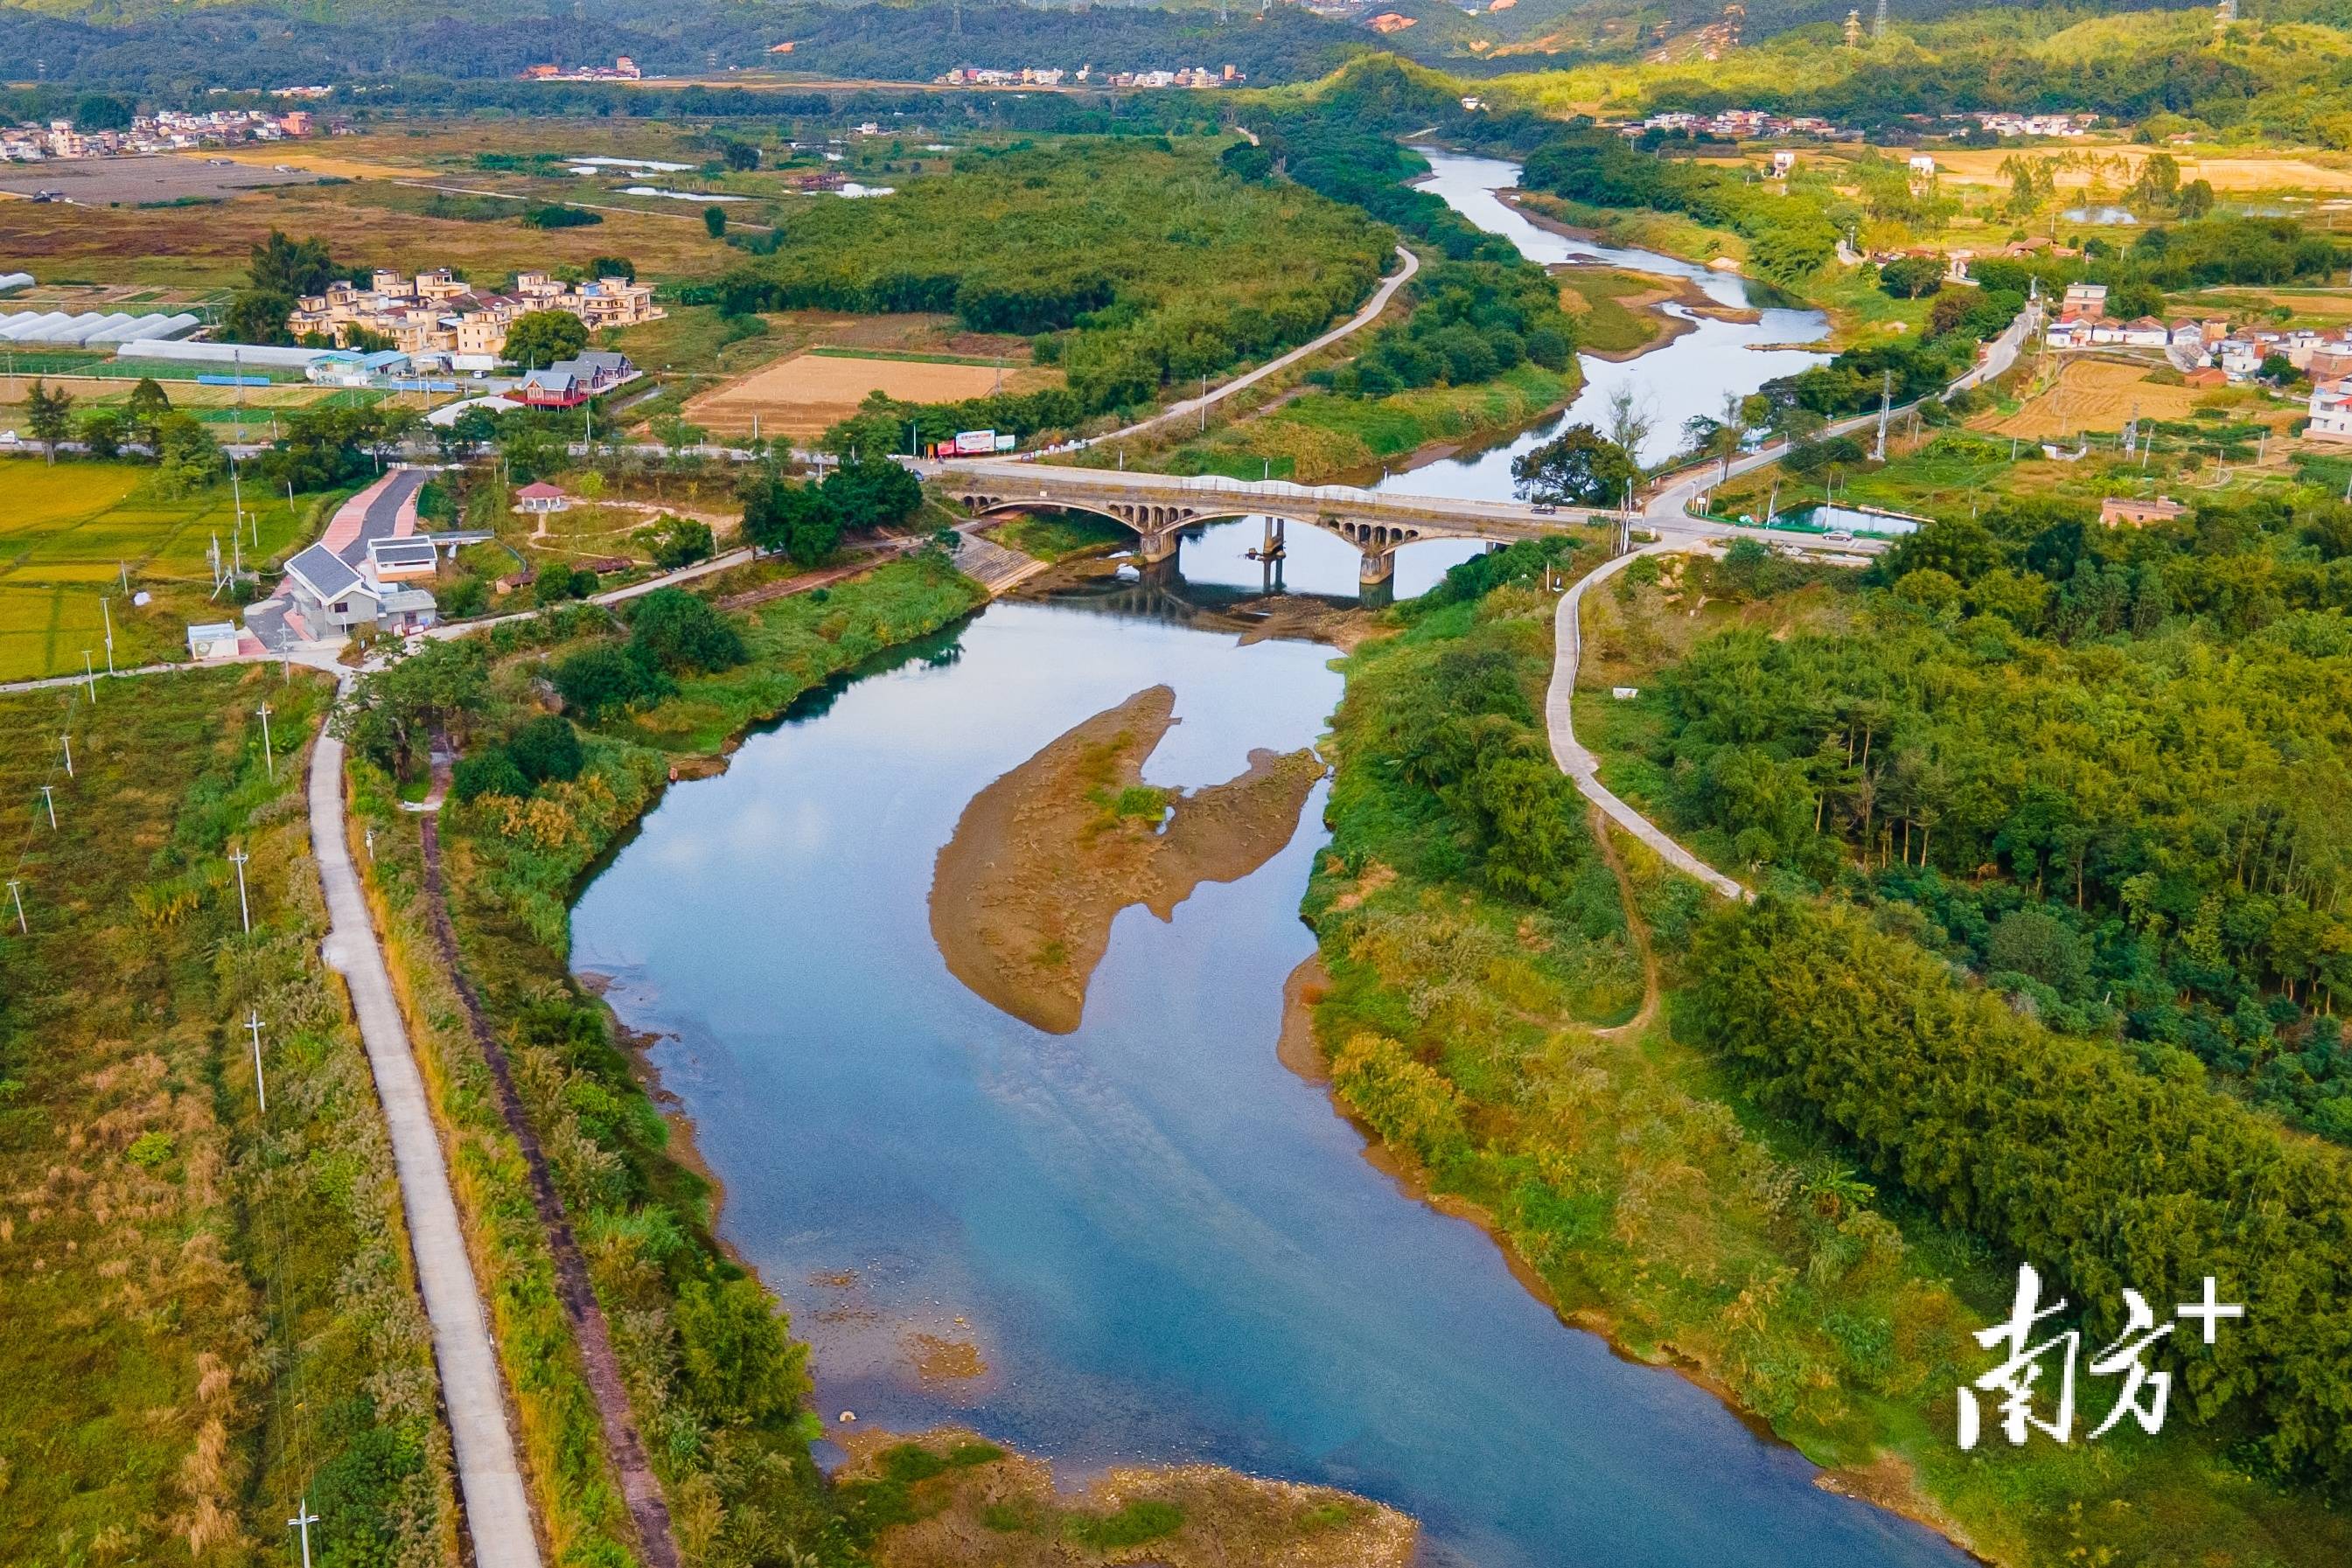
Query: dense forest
(173,51)
(2101,767)
(2061,1150)
(1133,262)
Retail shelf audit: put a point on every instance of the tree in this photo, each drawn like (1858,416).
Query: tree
(677,631)
(50,414)
(187,458)
(540,338)
(738,155)
(674,542)
(393,712)
(1631,419)
(144,411)
(2195,199)
(872,492)
(1578,467)
(101,433)
(714,219)
(1911,276)
(101,111)
(798,520)
(257,316)
(291,268)
(742,1366)
(614,266)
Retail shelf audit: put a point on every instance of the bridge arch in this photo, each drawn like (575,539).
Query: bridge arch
(1154,520)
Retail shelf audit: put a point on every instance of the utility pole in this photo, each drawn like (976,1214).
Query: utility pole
(106,611)
(22,929)
(244,910)
(267,757)
(1885,401)
(253,1022)
(50,800)
(90,674)
(1204,405)
(69,741)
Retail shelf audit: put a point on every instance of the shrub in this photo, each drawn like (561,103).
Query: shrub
(673,631)
(597,681)
(486,773)
(546,747)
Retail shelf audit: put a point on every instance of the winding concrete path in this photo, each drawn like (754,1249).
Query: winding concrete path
(1580,764)
(1191,406)
(489,1475)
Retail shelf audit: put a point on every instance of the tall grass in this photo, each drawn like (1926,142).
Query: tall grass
(209,1313)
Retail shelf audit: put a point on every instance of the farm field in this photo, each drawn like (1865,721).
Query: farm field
(810,392)
(2097,395)
(68,533)
(2119,166)
(127,245)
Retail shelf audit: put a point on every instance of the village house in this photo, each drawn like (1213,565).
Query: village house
(567,384)
(2118,509)
(437,316)
(2089,299)
(2331,411)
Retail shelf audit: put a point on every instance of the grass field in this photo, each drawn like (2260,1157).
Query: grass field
(1318,437)
(71,531)
(1612,308)
(810,392)
(209,1311)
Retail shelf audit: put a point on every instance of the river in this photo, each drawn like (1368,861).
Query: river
(1162,1245)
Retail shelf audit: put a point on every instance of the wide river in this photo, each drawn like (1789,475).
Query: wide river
(1162,1244)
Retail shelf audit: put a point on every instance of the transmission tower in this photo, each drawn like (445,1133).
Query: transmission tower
(1878,26)
(1854,29)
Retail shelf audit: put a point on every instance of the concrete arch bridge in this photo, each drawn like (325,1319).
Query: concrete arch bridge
(1159,506)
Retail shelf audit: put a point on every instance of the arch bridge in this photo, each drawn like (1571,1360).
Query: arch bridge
(1157,506)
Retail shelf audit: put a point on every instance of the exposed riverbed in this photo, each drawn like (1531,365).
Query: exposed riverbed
(1145,1240)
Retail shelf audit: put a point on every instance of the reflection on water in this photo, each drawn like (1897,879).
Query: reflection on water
(1162,1245)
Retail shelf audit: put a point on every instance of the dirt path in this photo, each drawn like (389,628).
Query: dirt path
(640,1488)
(1634,924)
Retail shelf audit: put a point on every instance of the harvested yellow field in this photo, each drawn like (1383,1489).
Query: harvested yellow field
(322,160)
(2116,167)
(2097,395)
(809,393)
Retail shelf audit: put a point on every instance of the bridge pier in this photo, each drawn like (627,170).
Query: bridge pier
(1375,566)
(1151,547)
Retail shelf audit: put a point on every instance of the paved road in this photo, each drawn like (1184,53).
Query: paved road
(1670,505)
(1580,764)
(1191,406)
(498,1506)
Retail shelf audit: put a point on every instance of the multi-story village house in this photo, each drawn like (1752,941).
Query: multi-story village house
(437,316)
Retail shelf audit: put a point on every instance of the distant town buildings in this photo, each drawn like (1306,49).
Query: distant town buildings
(1055,76)
(2067,125)
(434,316)
(168,131)
(622,69)
(1745,125)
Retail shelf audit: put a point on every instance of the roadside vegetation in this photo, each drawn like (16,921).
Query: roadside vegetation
(1490,1029)
(211,1315)
(716,1384)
